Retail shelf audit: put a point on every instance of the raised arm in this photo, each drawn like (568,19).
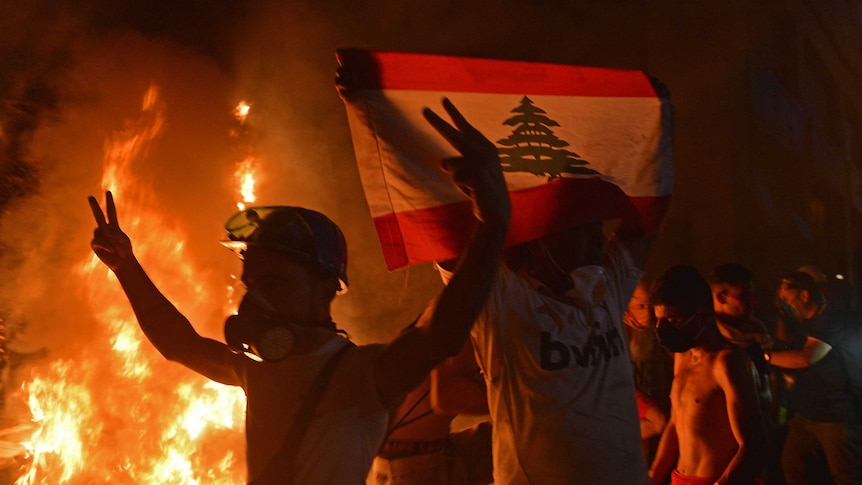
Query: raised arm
(412,355)
(164,326)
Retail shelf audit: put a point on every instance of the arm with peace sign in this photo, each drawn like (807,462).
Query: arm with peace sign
(164,326)
(445,326)
(110,243)
(477,171)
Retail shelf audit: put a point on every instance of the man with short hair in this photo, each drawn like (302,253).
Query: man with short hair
(824,437)
(715,434)
(318,406)
(732,288)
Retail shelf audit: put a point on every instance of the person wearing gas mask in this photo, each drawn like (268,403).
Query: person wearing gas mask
(824,436)
(317,405)
(715,434)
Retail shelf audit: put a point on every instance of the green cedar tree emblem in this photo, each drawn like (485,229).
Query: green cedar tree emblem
(534,148)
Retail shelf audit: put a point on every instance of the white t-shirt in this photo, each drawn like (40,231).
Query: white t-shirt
(559,378)
(348,425)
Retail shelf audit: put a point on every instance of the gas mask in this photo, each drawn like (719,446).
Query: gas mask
(257,329)
(675,338)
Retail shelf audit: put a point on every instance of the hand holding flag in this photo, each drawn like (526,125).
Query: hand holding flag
(575,145)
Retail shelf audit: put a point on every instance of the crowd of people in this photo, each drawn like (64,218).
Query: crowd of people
(750,405)
(587,373)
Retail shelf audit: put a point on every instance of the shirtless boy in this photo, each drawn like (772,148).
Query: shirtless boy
(715,435)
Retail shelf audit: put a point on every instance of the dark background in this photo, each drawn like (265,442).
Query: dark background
(766,95)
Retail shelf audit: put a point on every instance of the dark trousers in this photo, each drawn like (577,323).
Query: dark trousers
(817,452)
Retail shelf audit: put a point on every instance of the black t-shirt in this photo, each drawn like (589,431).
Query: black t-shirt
(829,390)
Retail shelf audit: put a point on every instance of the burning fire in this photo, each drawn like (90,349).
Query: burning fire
(241,111)
(245,170)
(245,175)
(120,413)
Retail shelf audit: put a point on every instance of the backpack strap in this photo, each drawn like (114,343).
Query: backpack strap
(288,451)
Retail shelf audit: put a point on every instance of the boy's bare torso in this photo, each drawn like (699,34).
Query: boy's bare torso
(706,442)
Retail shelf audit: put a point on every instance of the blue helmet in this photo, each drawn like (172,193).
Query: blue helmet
(303,233)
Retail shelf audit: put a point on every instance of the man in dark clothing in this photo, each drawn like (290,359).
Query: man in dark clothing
(825,434)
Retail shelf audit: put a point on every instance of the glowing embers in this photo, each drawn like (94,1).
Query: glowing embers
(241,111)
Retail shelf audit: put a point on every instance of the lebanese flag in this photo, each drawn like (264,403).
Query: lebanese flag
(577,145)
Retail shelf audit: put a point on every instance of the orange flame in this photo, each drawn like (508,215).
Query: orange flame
(58,406)
(245,170)
(245,174)
(122,414)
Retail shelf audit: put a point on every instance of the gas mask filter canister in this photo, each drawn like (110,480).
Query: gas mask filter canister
(256,329)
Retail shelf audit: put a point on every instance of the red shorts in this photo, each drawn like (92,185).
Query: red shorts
(677,478)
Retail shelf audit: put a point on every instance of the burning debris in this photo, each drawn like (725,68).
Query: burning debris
(117,412)
(246,168)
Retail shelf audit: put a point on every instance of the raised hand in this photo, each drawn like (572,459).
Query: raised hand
(477,172)
(109,243)
(343,83)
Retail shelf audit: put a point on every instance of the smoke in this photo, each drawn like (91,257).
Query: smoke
(74,91)
(75,78)
(75,75)
(285,65)
(70,88)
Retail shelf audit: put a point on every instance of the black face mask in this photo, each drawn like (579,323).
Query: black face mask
(255,329)
(675,338)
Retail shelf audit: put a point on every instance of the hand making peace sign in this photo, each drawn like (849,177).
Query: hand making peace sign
(109,243)
(477,172)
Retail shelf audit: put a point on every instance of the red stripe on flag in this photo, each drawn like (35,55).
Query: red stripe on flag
(392,70)
(441,232)
(652,211)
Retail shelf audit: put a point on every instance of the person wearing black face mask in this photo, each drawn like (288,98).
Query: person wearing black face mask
(715,432)
(680,336)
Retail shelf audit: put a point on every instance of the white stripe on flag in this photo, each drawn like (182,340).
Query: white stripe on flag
(418,212)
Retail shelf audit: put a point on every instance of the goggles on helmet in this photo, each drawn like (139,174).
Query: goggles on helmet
(302,233)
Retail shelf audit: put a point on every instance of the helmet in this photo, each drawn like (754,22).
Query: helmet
(303,233)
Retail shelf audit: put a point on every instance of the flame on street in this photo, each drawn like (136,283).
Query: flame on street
(120,413)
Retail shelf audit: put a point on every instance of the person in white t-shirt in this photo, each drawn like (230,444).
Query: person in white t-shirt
(554,352)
